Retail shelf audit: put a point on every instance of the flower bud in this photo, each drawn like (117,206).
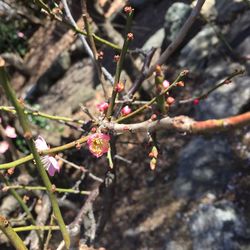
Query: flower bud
(170,100)
(180,84)
(103,106)
(128,9)
(119,87)
(153,117)
(100,55)
(166,84)
(126,110)
(116,58)
(196,101)
(130,36)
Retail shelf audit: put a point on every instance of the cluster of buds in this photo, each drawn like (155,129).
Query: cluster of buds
(153,154)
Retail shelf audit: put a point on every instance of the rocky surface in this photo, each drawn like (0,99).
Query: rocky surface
(189,202)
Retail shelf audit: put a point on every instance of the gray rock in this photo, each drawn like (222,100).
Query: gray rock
(55,72)
(227,100)
(227,9)
(204,166)
(196,54)
(216,227)
(175,17)
(71,90)
(173,245)
(155,41)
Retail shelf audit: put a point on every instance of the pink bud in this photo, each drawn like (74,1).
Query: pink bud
(4,145)
(170,100)
(10,132)
(103,106)
(126,110)
(196,101)
(119,87)
(166,84)
(20,34)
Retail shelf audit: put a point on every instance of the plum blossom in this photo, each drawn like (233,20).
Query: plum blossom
(49,162)
(10,132)
(126,110)
(4,146)
(103,106)
(98,144)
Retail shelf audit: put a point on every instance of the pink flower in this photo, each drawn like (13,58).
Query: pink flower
(49,162)
(126,110)
(103,106)
(166,84)
(4,145)
(98,144)
(10,132)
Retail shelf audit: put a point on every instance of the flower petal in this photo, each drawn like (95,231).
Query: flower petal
(98,144)
(41,143)
(53,166)
(10,132)
(4,145)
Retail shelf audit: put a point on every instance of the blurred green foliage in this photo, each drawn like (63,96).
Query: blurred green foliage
(12,39)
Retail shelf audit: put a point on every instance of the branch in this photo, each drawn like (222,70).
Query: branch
(4,81)
(183,124)
(11,234)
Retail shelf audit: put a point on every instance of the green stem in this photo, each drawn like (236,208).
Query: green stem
(21,202)
(44,115)
(29,228)
(28,136)
(11,234)
(42,5)
(120,64)
(145,106)
(45,152)
(58,190)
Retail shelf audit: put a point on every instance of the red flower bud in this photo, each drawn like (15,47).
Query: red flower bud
(126,110)
(128,9)
(170,100)
(153,117)
(180,84)
(130,36)
(103,106)
(196,101)
(116,58)
(119,87)
(100,55)
(158,70)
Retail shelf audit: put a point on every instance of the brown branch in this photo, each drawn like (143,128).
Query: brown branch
(183,124)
